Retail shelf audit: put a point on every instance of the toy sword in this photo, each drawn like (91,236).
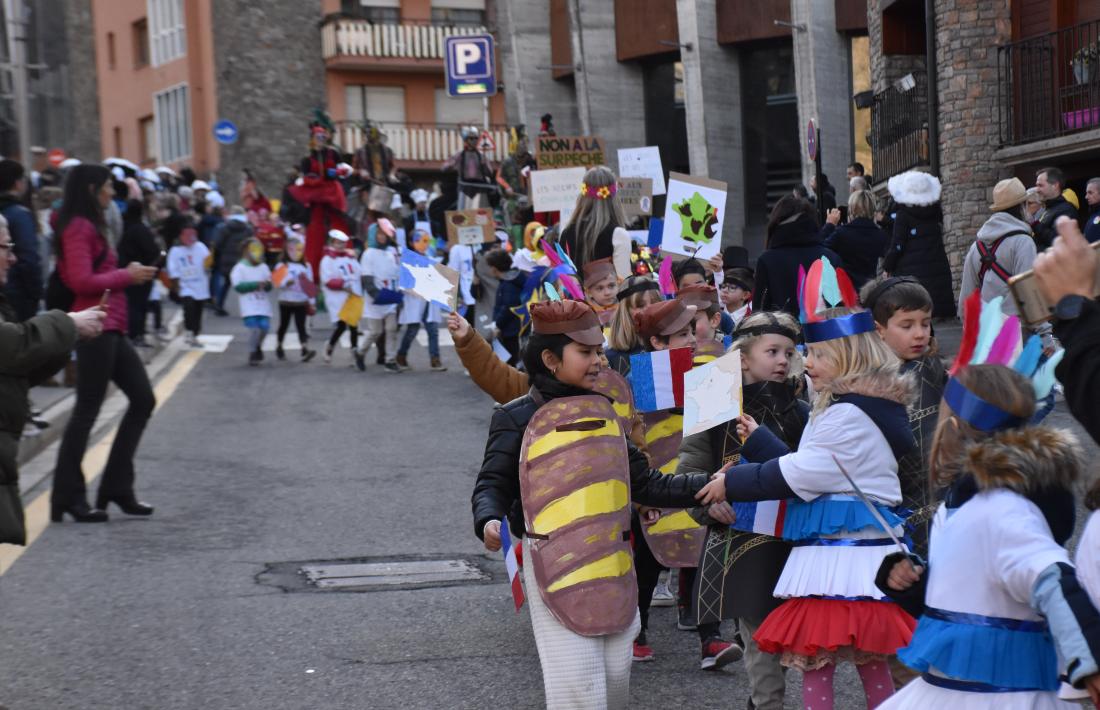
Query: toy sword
(874,511)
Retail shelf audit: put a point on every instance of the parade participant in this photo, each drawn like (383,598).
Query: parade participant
(294,302)
(380,276)
(736,292)
(689,272)
(582,596)
(635,293)
(188,265)
(708,314)
(461,258)
(859,426)
(319,191)
(251,279)
(597,229)
(252,197)
(373,162)
(902,309)
(1001,610)
(600,285)
(514,172)
(271,234)
(509,291)
(419,212)
(738,570)
(472,169)
(417,312)
(340,277)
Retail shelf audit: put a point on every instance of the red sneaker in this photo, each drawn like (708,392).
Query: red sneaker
(718,653)
(642,651)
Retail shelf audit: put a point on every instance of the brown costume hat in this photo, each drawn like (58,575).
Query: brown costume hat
(701,296)
(741,277)
(664,318)
(575,319)
(598,270)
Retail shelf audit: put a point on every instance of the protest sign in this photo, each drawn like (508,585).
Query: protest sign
(636,196)
(643,162)
(556,190)
(471,227)
(552,152)
(695,210)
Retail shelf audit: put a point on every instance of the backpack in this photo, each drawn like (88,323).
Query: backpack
(988,256)
(58,295)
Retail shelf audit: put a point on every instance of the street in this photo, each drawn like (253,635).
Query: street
(257,472)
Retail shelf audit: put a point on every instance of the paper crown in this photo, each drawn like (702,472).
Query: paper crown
(991,338)
(824,287)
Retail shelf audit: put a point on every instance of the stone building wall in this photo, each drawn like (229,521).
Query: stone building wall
(270,76)
(79,40)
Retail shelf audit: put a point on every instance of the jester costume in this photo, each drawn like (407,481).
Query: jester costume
(320,191)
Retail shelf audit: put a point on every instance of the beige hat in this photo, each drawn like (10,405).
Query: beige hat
(1007,194)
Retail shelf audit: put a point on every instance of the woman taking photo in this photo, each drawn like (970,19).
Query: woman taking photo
(597,229)
(88,267)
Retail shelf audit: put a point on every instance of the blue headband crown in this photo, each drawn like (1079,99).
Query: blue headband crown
(822,287)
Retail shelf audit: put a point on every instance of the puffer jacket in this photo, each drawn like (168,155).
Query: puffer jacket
(1016,254)
(229,240)
(497,494)
(917,250)
(790,246)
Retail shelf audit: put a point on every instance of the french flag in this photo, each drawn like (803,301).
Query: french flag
(764,517)
(657,378)
(511,564)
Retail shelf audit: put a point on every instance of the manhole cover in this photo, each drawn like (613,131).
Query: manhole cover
(368,574)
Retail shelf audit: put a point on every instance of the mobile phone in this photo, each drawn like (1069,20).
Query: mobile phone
(105,298)
(161,259)
(1033,307)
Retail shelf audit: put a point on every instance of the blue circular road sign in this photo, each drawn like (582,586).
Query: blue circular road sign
(225,132)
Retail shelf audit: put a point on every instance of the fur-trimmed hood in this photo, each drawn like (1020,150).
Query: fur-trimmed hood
(1026,460)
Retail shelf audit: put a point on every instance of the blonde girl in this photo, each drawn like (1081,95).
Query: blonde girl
(635,293)
(597,229)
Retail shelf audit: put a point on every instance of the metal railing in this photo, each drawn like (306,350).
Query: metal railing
(1049,85)
(342,37)
(899,127)
(420,142)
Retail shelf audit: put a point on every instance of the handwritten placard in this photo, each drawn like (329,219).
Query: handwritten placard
(636,196)
(553,152)
(556,190)
(643,162)
(470,226)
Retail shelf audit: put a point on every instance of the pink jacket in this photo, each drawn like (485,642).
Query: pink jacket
(81,245)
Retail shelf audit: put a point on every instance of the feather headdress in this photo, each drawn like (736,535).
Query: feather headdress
(824,287)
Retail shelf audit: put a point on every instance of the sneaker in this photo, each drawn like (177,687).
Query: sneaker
(259,355)
(361,360)
(403,362)
(279,352)
(221,312)
(662,595)
(438,366)
(328,354)
(252,359)
(685,620)
(642,651)
(392,368)
(308,354)
(717,653)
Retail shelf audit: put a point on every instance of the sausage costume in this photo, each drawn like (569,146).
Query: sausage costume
(559,466)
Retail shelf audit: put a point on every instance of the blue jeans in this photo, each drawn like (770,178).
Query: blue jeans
(219,288)
(410,334)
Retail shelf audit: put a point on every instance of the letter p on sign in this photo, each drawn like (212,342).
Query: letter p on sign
(469,65)
(466,53)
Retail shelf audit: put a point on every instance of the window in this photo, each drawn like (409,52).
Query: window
(380,104)
(173,121)
(111,51)
(167,34)
(116,134)
(381,12)
(459,13)
(147,139)
(452,112)
(139,37)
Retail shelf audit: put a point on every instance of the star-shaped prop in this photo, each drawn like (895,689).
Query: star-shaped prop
(431,281)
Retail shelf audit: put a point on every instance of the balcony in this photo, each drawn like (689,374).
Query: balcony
(358,44)
(420,146)
(899,127)
(1049,85)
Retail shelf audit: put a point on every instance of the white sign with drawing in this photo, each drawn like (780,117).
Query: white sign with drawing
(556,190)
(695,211)
(645,163)
(712,393)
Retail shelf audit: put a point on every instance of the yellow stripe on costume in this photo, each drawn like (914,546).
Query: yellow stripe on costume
(673,424)
(680,520)
(670,467)
(595,499)
(614,565)
(623,409)
(555,439)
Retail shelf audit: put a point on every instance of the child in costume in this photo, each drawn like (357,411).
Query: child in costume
(340,277)
(600,284)
(509,291)
(251,279)
(417,311)
(689,272)
(1001,610)
(902,309)
(736,290)
(739,569)
(379,265)
(578,567)
(708,314)
(858,428)
(188,267)
(294,302)
(635,293)
(1088,573)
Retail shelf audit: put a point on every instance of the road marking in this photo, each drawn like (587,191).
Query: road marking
(37,512)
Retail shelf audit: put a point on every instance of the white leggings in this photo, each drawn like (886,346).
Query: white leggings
(580,672)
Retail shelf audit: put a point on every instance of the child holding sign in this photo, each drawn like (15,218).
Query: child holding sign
(251,278)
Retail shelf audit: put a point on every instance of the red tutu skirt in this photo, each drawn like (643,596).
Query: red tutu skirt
(808,626)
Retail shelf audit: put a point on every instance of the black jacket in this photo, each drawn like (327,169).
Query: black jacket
(1092,226)
(917,250)
(25,283)
(790,246)
(229,241)
(496,492)
(138,243)
(1045,231)
(859,244)
(1079,371)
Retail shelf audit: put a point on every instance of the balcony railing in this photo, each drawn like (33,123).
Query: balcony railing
(1049,85)
(899,127)
(420,143)
(359,38)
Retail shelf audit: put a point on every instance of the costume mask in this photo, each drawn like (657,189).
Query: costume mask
(255,252)
(294,250)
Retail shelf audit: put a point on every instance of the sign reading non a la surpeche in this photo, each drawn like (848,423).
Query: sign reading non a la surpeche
(569,152)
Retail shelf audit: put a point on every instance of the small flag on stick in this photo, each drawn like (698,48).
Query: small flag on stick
(657,378)
(511,564)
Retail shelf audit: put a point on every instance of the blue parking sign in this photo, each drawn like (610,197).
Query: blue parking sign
(470,65)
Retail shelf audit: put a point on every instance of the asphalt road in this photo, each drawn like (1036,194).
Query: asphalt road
(254,472)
